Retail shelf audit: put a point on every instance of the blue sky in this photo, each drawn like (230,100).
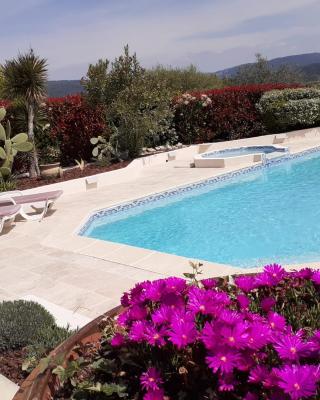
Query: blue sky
(212,34)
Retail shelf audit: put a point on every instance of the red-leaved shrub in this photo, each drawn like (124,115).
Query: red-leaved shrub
(73,122)
(221,114)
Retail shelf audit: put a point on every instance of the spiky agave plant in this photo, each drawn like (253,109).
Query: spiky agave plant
(25,78)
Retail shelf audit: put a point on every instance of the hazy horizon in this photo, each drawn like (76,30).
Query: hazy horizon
(212,35)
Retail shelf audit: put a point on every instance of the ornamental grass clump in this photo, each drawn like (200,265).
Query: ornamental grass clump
(257,339)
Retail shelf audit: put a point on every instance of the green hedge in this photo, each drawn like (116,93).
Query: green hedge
(288,109)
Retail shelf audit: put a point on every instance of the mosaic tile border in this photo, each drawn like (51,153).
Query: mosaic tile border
(189,187)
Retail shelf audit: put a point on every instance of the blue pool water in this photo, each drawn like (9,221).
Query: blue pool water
(244,151)
(270,215)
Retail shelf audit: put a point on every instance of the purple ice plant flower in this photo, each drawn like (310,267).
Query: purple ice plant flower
(137,331)
(175,285)
(272,275)
(291,347)
(154,395)
(243,301)
(316,277)
(276,321)
(182,332)
(200,301)
(245,283)
(118,340)
(304,273)
(151,380)
(258,374)
(209,283)
(155,290)
(267,303)
(210,335)
(235,336)
(259,335)
(226,382)
(155,336)
(297,381)
(224,360)
(162,315)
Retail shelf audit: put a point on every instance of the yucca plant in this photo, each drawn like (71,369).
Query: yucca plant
(25,78)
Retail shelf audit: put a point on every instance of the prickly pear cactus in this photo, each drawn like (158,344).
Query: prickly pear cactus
(10,146)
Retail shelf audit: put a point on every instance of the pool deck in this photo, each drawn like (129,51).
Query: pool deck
(49,262)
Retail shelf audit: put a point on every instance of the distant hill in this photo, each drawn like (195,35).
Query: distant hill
(308,63)
(63,88)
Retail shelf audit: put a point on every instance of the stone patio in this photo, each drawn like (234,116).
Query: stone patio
(86,276)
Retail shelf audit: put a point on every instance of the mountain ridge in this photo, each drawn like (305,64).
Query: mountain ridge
(300,61)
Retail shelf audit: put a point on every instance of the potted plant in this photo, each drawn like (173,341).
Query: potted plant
(255,339)
(50,162)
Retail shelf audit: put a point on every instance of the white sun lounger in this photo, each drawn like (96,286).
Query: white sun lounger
(8,213)
(43,200)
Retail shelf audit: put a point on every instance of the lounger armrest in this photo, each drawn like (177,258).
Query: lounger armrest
(12,193)
(7,199)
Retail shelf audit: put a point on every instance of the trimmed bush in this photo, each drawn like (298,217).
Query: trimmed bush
(221,114)
(73,122)
(20,323)
(290,108)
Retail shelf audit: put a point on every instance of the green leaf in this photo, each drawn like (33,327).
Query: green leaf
(2,133)
(5,172)
(25,146)
(20,138)
(44,364)
(95,152)
(2,113)
(3,154)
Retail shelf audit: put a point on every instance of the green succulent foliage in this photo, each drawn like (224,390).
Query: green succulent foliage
(21,323)
(103,150)
(47,339)
(10,146)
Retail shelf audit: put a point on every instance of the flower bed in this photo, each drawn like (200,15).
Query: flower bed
(209,339)
(221,114)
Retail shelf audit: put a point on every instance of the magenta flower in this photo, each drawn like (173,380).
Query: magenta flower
(225,360)
(245,283)
(230,317)
(155,336)
(209,283)
(200,301)
(235,336)
(175,285)
(151,380)
(258,374)
(117,340)
(297,381)
(271,276)
(304,273)
(125,301)
(291,347)
(154,395)
(316,277)
(277,322)
(162,315)
(137,331)
(267,303)
(154,290)
(182,332)
(258,336)
(243,301)
(226,383)
(210,335)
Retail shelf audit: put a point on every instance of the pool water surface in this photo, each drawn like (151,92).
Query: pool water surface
(269,215)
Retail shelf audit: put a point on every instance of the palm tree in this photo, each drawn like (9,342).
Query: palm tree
(25,78)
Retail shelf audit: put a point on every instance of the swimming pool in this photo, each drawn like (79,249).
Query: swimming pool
(260,215)
(275,150)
